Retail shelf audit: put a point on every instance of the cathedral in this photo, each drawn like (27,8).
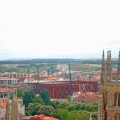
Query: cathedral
(109,101)
(14,109)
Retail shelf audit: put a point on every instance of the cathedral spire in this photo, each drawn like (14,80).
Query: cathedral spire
(14,111)
(108,67)
(7,113)
(103,71)
(119,67)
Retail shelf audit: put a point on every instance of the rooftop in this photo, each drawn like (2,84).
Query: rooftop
(39,117)
(6,78)
(87,97)
(6,89)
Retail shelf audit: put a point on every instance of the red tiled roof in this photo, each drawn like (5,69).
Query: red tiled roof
(39,117)
(87,97)
(2,104)
(6,78)
(49,118)
(5,89)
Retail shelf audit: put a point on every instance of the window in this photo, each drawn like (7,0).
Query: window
(117,99)
(117,116)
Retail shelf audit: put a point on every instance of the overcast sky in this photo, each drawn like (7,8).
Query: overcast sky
(59,28)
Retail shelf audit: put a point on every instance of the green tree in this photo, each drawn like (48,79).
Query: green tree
(55,104)
(78,115)
(88,107)
(94,116)
(28,98)
(27,113)
(71,107)
(51,69)
(61,114)
(69,97)
(45,96)
(20,93)
(63,105)
(46,110)
(38,100)
(33,108)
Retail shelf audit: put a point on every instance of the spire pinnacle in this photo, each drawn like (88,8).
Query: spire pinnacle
(103,67)
(103,56)
(108,67)
(109,56)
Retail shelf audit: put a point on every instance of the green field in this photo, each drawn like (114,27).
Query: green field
(15,68)
(48,66)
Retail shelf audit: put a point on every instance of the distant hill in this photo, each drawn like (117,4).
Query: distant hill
(54,60)
(37,61)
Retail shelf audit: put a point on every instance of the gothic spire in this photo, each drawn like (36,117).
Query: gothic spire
(7,113)
(119,67)
(108,67)
(103,71)
(14,111)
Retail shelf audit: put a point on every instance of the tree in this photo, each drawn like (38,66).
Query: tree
(61,114)
(28,98)
(20,93)
(27,113)
(88,107)
(63,105)
(69,97)
(33,108)
(94,116)
(45,96)
(55,104)
(51,70)
(46,110)
(38,100)
(78,115)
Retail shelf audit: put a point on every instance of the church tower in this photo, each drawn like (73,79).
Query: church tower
(109,101)
(108,67)
(101,110)
(103,71)
(14,109)
(7,114)
(11,108)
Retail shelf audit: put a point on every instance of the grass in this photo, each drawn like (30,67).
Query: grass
(45,67)
(14,68)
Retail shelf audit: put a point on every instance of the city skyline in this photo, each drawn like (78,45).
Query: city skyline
(59,29)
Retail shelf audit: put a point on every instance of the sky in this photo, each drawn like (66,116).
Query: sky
(59,28)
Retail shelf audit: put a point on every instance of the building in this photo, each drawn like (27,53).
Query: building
(87,97)
(9,82)
(4,91)
(11,109)
(109,101)
(61,89)
(39,117)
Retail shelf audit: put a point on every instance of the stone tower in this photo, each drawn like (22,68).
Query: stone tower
(103,69)
(14,109)
(11,108)
(7,114)
(109,101)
